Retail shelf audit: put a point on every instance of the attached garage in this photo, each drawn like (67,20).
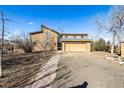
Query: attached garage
(77,45)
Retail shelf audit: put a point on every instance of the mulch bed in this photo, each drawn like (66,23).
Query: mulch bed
(18,69)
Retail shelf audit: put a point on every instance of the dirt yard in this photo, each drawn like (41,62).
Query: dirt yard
(90,70)
(18,69)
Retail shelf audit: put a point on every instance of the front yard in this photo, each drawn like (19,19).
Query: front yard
(74,69)
(18,69)
(92,68)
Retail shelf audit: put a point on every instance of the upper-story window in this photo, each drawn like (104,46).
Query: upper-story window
(66,36)
(74,36)
(82,36)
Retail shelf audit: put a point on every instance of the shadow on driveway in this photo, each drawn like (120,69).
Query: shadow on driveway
(84,85)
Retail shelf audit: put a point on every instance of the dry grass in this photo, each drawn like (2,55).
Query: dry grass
(18,69)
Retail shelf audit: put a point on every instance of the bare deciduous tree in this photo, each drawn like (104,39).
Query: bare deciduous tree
(24,42)
(3,30)
(114,24)
(46,43)
(2,44)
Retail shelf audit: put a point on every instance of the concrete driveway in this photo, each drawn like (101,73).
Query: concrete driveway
(90,70)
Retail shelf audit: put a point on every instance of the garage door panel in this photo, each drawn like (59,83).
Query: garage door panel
(75,46)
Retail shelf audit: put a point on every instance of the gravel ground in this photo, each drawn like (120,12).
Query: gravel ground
(90,70)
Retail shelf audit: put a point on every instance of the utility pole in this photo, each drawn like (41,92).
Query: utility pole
(62,27)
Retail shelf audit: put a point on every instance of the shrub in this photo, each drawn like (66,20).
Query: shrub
(101,45)
(26,44)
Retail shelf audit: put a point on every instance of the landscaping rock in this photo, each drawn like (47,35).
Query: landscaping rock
(111,57)
(121,60)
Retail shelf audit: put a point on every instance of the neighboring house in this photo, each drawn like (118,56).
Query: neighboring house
(76,42)
(8,46)
(46,39)
(122,49)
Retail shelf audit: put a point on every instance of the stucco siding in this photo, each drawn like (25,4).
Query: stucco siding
(46,35)
(122,49)
(53,38)
(63,46)
(78,36)
(37,38)
(88,46)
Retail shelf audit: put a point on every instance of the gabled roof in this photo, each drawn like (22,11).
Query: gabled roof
(75,39)
(74,34)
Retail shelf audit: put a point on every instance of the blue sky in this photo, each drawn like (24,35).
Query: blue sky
(76,19)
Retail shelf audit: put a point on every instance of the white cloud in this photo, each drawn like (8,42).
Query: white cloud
(30,23)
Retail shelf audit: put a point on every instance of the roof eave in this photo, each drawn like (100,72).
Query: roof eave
(74,34)
(35,32)
(75,40)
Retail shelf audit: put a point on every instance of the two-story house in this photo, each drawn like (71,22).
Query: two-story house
(69,42)
(76,42)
